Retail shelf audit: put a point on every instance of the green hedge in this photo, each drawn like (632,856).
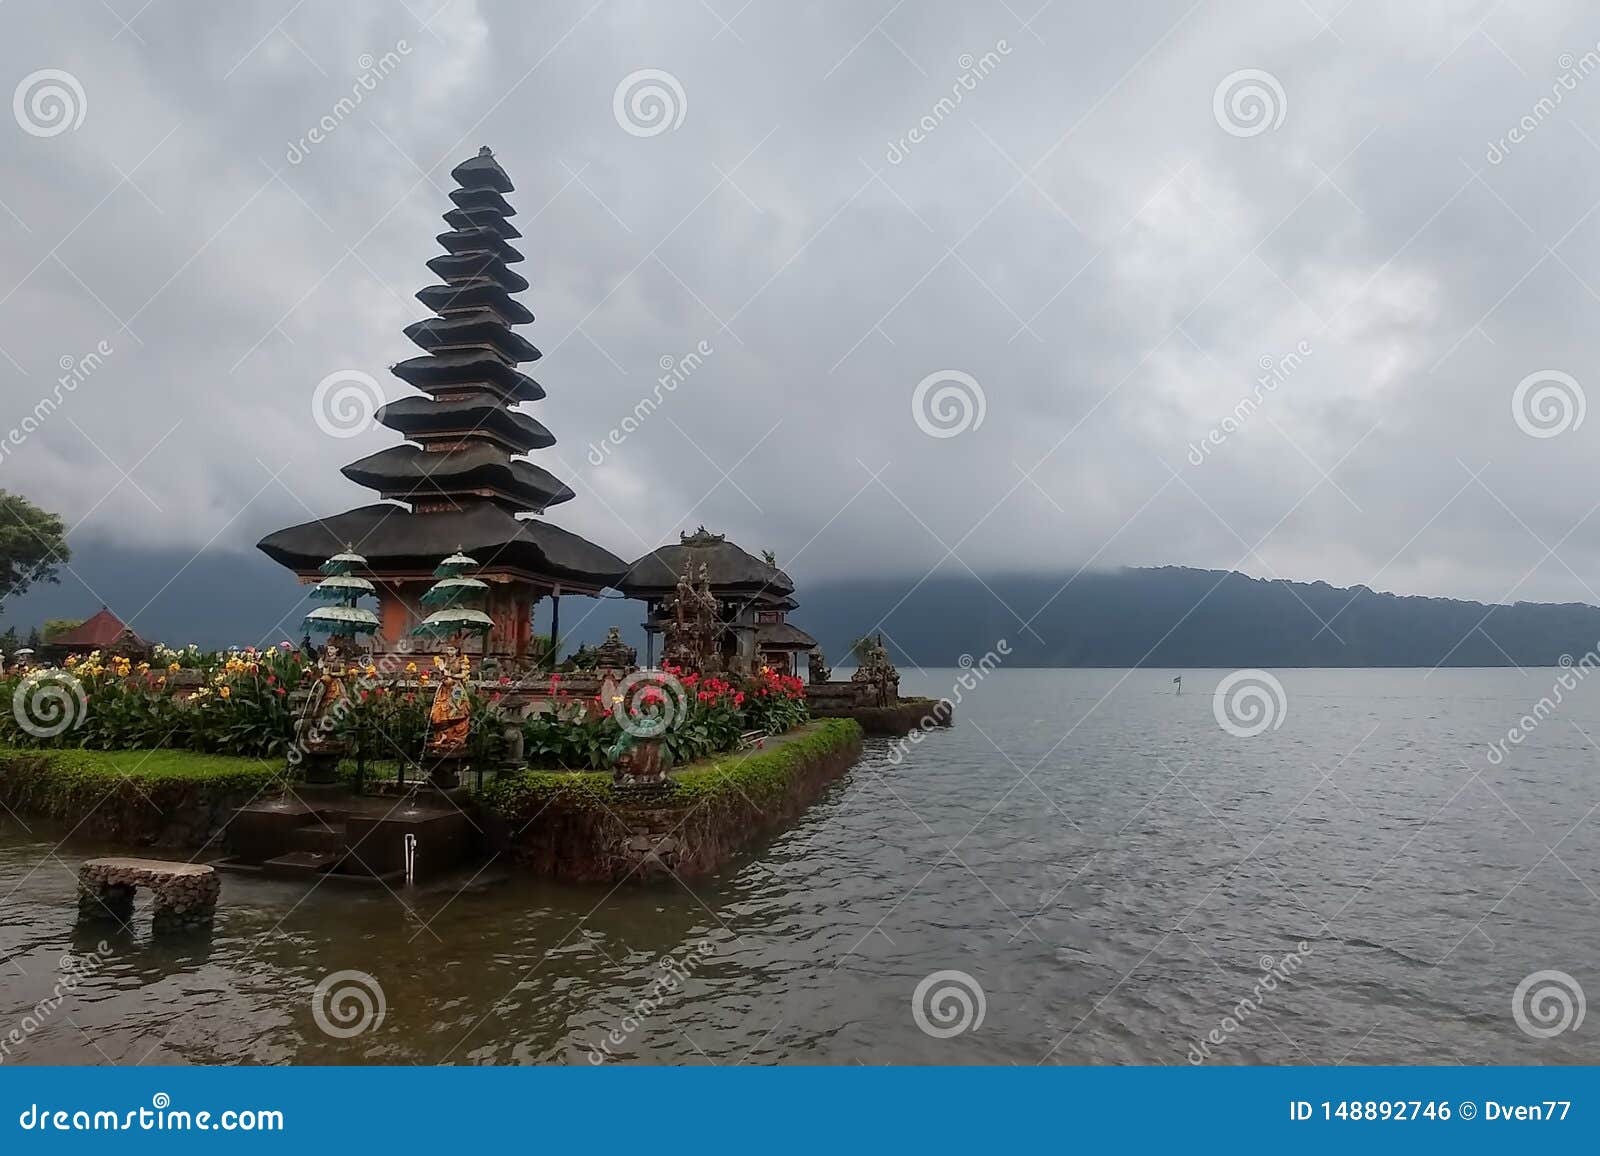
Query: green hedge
(69,784)
(758,776)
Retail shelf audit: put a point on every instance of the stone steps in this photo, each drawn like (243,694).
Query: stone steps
(317,836)
(298,863)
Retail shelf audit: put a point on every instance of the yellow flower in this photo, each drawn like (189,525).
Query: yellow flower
(72,660)
(371,670)
(423,677)
(226,692)
(173,667)
(411,668)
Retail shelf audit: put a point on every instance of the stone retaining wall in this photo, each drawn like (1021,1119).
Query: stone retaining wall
(139,812)
(904,717)
(591,833)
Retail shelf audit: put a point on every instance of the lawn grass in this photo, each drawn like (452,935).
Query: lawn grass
(142,765)
(172,798)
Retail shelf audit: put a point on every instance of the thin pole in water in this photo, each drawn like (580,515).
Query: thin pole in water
(1179,681)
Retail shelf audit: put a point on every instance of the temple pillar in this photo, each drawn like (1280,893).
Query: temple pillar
(395,615)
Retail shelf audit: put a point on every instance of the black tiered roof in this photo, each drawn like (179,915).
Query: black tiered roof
(459,466)
(729,570)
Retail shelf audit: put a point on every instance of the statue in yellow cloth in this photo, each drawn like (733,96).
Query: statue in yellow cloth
(317,741)
(450,716)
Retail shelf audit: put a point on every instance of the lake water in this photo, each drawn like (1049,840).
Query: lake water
(1112,869)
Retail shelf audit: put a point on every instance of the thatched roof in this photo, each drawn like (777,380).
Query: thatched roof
(783,636)
(395,540)
(100,630)
(729,569)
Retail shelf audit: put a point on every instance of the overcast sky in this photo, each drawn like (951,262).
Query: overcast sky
(1129,212)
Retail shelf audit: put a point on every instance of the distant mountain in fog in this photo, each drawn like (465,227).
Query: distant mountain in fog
(1167,617)
(1174,616)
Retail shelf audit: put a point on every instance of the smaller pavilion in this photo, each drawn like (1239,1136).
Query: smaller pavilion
(753,597)
(102,631)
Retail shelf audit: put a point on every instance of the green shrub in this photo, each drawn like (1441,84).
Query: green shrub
(760,777)
(70,784)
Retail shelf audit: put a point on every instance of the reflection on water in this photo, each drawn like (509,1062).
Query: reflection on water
(1107,864)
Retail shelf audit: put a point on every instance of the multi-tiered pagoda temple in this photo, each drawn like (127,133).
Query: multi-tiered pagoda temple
(458,482)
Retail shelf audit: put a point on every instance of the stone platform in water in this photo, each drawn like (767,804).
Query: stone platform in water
(322,832)
(185,893)
(851,700)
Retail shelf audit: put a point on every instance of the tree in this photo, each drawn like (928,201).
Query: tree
(33,543)
(54,627)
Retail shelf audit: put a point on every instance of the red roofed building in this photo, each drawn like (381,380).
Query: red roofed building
(104,632)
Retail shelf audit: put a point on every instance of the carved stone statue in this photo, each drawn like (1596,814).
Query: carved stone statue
(693,624)
(614,654)
(877,672)
(816,669)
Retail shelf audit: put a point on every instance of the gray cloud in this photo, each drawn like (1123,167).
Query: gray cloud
(1078,234)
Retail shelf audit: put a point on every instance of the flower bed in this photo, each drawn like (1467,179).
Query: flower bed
(245,703)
